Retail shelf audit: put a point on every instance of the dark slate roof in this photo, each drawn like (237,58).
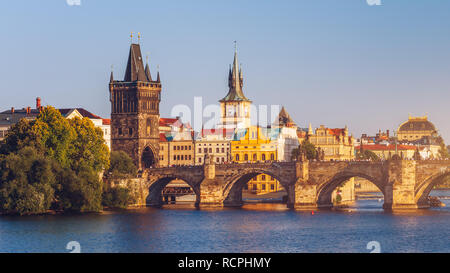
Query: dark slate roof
(135,67)
(284,119)
(8,119)
(417,124)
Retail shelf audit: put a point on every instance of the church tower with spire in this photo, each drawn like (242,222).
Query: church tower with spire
(135,111)
(235,107)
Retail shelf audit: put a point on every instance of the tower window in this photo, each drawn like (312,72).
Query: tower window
(130,131)
(120,131)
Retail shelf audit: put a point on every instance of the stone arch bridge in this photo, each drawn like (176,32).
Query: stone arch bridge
(405,184)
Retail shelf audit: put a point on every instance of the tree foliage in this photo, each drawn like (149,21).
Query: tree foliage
(52,162)
(117,197)
(367,155)
(27,182)
(308,149)
(122,165)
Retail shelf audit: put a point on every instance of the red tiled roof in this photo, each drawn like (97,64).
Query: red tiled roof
(167,121)
(390,147)
(336,131)
(162,137)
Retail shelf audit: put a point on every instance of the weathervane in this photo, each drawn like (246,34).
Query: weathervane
(131,37)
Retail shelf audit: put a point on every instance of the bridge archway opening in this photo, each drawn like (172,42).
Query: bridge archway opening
(172,191)
(351,190)
(148,158)
(255,187)
(433,190)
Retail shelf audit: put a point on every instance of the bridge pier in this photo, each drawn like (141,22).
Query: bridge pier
(211,190)
(305,196)
(401,185)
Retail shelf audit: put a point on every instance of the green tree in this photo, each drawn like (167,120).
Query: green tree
(308,149)
(79,192)
(122,165)
(117,197)
(295,153)
(367,155)
(20,135)
(27,182)
(88,148)
(55,134)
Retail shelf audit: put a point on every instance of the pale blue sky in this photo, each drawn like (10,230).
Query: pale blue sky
(331,62)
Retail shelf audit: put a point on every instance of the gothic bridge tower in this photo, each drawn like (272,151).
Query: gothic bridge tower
(135,112)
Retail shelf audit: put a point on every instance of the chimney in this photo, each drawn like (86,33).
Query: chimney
(12,110)
(38,103)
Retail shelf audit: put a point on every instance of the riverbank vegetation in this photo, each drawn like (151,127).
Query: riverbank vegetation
(53,163)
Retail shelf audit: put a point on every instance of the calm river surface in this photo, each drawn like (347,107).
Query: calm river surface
(253,228)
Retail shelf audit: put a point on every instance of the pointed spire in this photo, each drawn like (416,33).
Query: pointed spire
(310,130)
(235,81)
(158,78)
(135,67)
(111,77)
(147,70)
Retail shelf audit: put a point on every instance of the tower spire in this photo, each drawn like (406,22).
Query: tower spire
(111,78)
(158,79)
(147,70)
(235,80)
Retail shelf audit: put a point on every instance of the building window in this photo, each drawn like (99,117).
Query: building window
(199,150)
(190,147)
(205,150)
(263,177)
(210,150)
(254,187)
(178,157)
(217,150)
(272,157)
(255,157)
(237,157)
(246,157)
(130,131)
(199,160)
(223,150)
(174,157)
(263,157)
(120,131)
(272,187)
(263,187)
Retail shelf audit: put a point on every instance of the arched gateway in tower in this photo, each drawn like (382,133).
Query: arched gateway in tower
(135,111)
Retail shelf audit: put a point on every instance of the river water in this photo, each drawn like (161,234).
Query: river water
(253,228)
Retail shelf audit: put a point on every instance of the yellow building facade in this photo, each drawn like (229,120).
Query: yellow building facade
(254,144)
(336,143)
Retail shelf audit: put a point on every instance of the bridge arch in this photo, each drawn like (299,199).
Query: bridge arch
(423,190)
(232,191)
(325,190)
(157,185)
